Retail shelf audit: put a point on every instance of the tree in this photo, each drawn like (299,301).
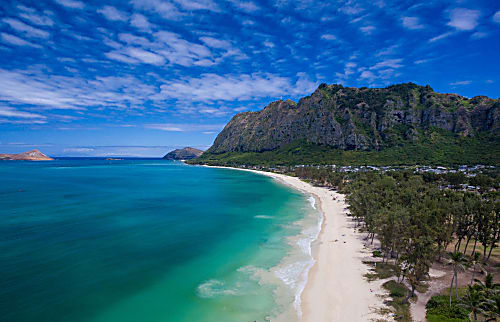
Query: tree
(474,262)
(458,261)
(474,301)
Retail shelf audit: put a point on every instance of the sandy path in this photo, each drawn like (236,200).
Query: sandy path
(336,289)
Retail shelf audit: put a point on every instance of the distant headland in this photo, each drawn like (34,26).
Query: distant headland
(186,153)
(33,155)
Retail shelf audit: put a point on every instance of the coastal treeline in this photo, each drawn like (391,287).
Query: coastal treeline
(421,218)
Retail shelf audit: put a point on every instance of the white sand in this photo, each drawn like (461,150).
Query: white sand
(336,289)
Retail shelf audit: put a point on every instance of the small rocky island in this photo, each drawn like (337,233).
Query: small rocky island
(183,154)
(33,155)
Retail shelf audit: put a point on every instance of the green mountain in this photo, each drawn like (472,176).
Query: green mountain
(399,124)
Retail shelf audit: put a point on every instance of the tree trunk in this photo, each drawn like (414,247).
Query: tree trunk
(489,253)
(474,249)
(456,284)
(473,272)
(451,287)
(467,244)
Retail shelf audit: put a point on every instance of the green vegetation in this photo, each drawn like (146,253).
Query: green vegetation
(438,310)
(397,292)
(436,147)
(416,221)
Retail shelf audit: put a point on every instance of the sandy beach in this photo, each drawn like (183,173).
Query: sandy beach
(336,289)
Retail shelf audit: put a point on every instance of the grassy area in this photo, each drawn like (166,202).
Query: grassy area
(494,261)
(398,292)
(379,270)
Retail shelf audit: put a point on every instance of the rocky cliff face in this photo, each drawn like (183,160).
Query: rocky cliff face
(33,155)
(366,119)
(183,154)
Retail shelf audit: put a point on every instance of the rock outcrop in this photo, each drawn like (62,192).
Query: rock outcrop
(364,119)
(33,155)
(183,154)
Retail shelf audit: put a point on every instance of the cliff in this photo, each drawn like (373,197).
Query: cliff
(33,155)
(365,119)
(183,154)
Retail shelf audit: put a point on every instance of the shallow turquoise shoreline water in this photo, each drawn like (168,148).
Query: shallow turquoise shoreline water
(148,240)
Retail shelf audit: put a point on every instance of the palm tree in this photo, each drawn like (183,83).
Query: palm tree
(475,262)
(489,286)
(474,301)
(458,261)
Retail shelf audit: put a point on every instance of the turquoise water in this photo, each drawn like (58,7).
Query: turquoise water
(148,240)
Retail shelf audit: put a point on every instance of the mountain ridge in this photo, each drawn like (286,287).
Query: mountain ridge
(366,120)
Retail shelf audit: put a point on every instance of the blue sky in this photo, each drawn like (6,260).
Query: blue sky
(142,77)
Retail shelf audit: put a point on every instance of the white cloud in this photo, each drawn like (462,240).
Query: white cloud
(479,35)
(329,37)
(391,63)
(215,43)
(412,23)
(33,17)
(113,14)
(141,22)
(496,17)
(11,112)
(198,5)
(14,40)
(247,6)
(213,87)
(165,9)
(466,82)
(170,47)
(39,89)
(268,44)
(174,127)
(441,36)
(145,56)
(464,19)
(74,4)
(25,29)
(367,30)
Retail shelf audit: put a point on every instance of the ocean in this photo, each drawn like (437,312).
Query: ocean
(150,240)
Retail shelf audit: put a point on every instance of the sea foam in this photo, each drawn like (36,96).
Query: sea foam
(294,274)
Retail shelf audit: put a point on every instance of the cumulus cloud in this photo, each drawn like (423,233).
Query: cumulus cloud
(74,4)
(392,63)
(329,37)
(25,29)
(34,17)
(441,36)
(170,47)
(367,30)
(16,41)
(60,92)
(464,19)
(465,82)
(213,87)
(192,127)
(7,111)
(496,17)
(165,9)
(412,23)
(247,6)
(113,14)
(141,22)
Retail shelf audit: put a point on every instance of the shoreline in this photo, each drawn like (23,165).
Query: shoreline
(335,288)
